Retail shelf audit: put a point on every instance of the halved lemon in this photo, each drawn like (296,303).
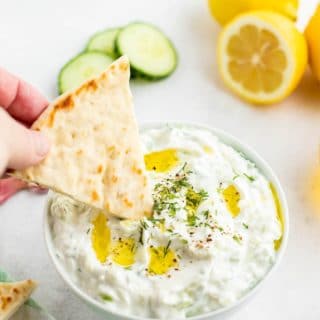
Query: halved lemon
(261,56)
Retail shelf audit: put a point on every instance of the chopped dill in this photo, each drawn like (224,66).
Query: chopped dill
(166,192)
(204,194)
(174,193)
(206,214)
(219,189)
(155,220)
(236,238)
(194,199)
(141,236)
(166,249)
(172,209)
(192,220)
(105,297)
(250,178)
(132,249)
(143,224)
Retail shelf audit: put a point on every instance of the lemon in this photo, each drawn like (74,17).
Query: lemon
(261,56)
(312,36)
(313,190)
(224,11)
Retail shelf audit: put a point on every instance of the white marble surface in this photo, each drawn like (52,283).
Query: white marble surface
(37,37)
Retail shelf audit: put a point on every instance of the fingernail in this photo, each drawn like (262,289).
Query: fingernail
(41,144)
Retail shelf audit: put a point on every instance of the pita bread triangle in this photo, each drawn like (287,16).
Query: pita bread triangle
(96,155)
(13,295)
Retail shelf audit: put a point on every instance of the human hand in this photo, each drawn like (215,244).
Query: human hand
(20,147)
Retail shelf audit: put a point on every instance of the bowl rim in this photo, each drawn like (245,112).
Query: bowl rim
(251,155)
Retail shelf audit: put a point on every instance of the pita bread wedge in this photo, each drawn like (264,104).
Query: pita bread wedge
(13,295)
(96,156)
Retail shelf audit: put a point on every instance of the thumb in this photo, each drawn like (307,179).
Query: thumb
(24,147)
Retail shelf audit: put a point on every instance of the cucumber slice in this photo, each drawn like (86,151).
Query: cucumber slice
(151,54)
(104,41)
(80,68)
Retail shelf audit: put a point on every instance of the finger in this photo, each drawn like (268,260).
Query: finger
(10,186)
(21,99)
(23,147)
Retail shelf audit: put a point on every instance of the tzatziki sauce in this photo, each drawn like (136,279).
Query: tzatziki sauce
(213,235)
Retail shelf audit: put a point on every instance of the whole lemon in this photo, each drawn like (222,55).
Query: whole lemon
(224,11)
(312,36)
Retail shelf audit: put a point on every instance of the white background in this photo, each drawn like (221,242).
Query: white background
(38,37)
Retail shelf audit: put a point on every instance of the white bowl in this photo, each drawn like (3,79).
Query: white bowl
(219,314)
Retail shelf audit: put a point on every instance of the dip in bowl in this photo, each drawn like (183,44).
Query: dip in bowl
(219,226)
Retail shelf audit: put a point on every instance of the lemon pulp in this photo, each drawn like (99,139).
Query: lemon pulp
(261,56)
(256,60)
